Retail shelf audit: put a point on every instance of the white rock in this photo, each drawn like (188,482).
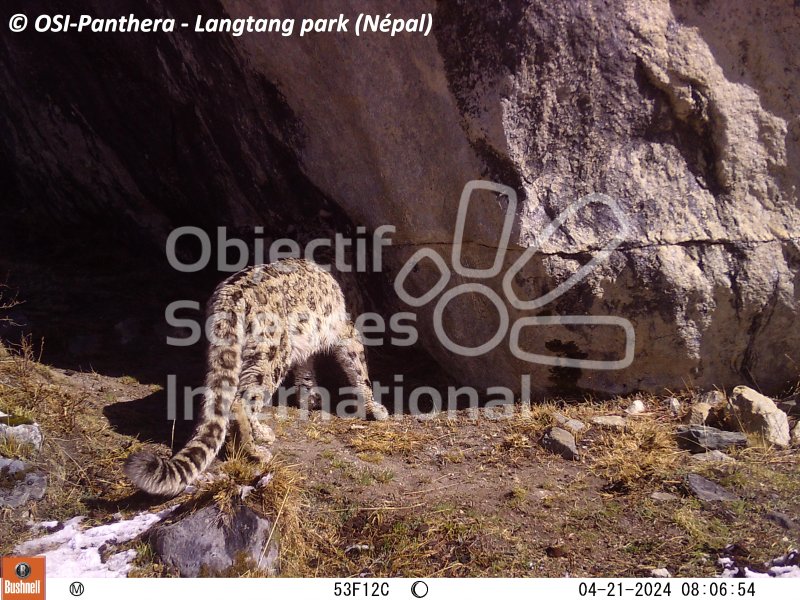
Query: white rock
(663,496)
(609,422)
(23,434)
(264,481)
(662,572)
(637,407)
(674,405)
(754,413)
(542,494)
(712,456)
(573,425)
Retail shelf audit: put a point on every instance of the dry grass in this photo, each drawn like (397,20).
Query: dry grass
(388,541)
(8,300)
(644,453)
(531,422)
(388,439)
(284,501)
(11,448)
(79,455)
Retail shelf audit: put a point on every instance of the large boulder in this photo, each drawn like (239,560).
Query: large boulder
(683,115)
(209,542)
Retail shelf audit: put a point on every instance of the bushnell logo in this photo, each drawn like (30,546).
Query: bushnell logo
(23,578)
(23,570)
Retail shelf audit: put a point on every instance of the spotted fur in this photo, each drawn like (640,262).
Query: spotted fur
(265,321)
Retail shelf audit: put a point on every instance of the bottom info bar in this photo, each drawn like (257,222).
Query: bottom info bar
(432,589)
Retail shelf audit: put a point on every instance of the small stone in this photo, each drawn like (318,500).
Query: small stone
(698,414)
(707,490)
(796,434)
(754,413)
(781,519)
(29,435)
(712,456)
(699,439)
(636,408)
(560,441)
(20,483)
(356,548)
(609,422)
(662,572)
(663,496)
(205,542)
(674,405)
(573,425)
(556,551)
(2,414)
(542,494)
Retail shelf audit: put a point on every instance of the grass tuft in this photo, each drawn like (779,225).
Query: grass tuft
(644,453)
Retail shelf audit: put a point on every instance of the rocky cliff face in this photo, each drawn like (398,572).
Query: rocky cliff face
(685,116)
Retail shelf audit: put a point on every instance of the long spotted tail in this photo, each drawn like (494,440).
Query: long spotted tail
(168,477)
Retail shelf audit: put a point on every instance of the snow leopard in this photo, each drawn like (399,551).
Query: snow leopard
(263,322)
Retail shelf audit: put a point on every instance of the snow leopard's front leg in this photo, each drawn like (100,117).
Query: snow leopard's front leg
(349,352)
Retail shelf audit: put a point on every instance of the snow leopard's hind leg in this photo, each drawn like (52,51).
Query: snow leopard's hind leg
(305,382)
(265,365)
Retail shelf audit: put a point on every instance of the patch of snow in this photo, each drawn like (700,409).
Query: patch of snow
(44,525)
(75,552)
(791,571)
(784,566)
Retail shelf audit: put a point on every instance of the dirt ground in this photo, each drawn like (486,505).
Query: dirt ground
(458,495)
